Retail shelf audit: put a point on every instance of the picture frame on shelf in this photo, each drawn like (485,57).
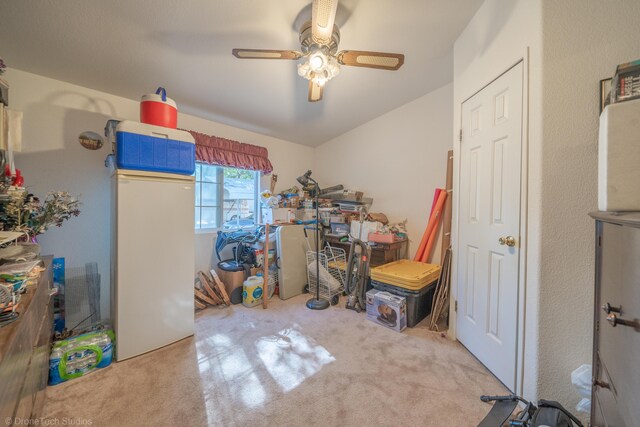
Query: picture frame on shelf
(605,93)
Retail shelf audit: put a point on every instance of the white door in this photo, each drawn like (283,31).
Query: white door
(489,224)
(154,261)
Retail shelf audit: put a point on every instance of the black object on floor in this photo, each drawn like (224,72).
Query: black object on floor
(499,413)
(548,413)
(317,304)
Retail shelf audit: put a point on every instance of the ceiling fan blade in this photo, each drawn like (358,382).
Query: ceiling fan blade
(323,16)
(315,91)
(266,54)
(380,60)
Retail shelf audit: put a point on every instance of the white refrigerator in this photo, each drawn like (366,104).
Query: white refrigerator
(152,267)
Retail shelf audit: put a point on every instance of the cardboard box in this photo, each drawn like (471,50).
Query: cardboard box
(383,238)
(371,310)
(306,214)
(367,228)
(277,215)
(232,281)
(291,202)
(337,218)
(387,310)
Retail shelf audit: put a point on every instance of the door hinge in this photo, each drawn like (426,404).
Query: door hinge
(455,306)
(460,136)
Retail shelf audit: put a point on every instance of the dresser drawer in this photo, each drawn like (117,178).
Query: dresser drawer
(24,347)
(619,346)
(597,416)
(605,399)
(16,353)
(41,361)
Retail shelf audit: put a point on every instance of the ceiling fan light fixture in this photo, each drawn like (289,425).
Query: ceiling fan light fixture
(317,61)
(318,66)
(320,79)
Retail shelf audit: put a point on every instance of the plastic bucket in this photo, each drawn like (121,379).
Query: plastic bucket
(157,109)
(252,291)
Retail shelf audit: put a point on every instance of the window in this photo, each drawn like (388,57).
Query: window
(225,197)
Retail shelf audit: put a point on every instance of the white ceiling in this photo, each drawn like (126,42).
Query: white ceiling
(128,48)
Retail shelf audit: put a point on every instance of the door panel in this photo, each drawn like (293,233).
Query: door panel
(493,308)
(489,209)
(473,185)
(497,177)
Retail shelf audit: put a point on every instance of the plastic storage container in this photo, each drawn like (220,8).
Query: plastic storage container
(411,275)
(618,157)
(418,301)
(252,291)
(340,228)
(151,148)
(159,110)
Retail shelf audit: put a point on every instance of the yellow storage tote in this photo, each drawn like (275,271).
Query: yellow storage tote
(404,273)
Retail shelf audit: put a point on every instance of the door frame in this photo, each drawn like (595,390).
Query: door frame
(524,197)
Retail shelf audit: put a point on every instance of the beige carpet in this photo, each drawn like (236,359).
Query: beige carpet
(285,366)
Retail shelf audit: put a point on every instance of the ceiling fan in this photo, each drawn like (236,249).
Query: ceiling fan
(319,57)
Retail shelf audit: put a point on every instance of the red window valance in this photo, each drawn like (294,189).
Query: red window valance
(226,152)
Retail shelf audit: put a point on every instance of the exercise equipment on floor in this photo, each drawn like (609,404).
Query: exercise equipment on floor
(358,269)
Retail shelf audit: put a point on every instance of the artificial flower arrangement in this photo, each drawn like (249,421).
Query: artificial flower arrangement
(22,211)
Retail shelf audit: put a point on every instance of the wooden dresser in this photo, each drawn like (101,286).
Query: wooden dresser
(24,353)
(381,253)
(615,398)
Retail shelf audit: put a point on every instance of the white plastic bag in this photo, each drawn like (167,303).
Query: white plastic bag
(581,380)
(584,405)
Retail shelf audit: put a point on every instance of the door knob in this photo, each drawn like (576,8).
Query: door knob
(615,321)
(608,308)
(509,241)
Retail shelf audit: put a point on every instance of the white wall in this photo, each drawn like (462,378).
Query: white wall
(601,35)
(571,45)
(502,33)
(398,159)
(55,113)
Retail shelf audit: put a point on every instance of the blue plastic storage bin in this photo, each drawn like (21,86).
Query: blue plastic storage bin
(152,148)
